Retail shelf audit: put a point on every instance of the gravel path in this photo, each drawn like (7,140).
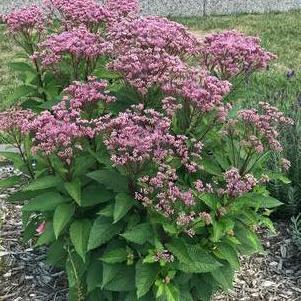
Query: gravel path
(24,276)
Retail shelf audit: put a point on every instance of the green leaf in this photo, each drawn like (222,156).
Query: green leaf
(146,275)
(79,235)
(30,230)
(102,231)
(57,255)
(62,216)
(45,202)
(226,252)
(47,237)
(74,190)
(249,242)
(139,234)
(43,183)
(94,275)
(110,271)
(123,203)
(21,67)
(224,276)
(260,201)
(107,211)
(115,256)
(205,286)
(123,281)
(21,92)
(112,179)
(9,182)
(210,200)
(13,157)
(211,167)
(279,177)
(21,196)
(95,194)
(192,258)
(75,269)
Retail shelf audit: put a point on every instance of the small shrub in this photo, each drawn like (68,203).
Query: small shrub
(296,230)
(145,183)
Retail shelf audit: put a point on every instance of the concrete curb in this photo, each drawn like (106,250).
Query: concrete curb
(189,7)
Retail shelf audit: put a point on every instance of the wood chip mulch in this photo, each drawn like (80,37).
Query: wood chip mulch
(24,275)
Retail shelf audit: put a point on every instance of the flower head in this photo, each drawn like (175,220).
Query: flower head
(139,135)
(232,53)
(82,94)
(25,20)
(77,12)
(79,42)
(15,120)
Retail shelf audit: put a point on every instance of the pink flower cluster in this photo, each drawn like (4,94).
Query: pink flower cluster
(155,33)
(265,127)
(170,105)
(236,184)
(146,68)
(79,42)
(164,255)
(82,94)
(232,53)
(60,131)
(15,120)
(123,8)
(139,135)
(285,164)
(163,194)
(25,20)
(76,12)
(53,134)
(202,91)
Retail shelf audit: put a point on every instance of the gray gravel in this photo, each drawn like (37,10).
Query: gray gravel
(190,7)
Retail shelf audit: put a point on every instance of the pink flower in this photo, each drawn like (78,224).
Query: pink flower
(122,8)
(25,20)
(232,53)
(154,33)
(285,164)
(263,127)
(79,43)
(15,120)
(84,93)
(138,136)
(164,255)
(238,185)
(41,228)
(77,12)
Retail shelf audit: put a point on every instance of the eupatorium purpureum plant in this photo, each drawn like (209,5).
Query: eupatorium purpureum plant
(144,182)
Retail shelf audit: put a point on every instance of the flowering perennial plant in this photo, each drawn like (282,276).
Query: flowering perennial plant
(144,182)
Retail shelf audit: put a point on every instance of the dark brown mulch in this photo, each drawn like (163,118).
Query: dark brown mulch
(24,276)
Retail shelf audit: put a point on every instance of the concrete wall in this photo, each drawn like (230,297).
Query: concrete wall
(191,7)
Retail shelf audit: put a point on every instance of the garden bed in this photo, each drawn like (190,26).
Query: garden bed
(273,276)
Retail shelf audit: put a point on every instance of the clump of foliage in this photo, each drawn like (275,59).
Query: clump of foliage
(296,230)
(146,182)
